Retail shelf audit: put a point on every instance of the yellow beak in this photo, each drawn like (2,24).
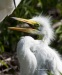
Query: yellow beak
(31,23)
(27,30)
(28,21)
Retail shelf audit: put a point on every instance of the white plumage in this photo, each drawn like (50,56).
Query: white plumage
(36,57)
(7,7)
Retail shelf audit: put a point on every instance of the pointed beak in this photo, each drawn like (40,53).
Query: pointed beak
(27,30)
(31,23)
(28,21)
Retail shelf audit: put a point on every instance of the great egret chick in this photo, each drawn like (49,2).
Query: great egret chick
(36,57)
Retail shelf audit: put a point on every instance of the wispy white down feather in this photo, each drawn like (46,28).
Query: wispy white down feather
(45,28)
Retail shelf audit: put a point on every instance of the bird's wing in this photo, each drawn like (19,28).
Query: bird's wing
(3,14)
(7,7)
(17,2)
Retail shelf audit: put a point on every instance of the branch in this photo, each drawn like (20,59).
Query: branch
(57,24)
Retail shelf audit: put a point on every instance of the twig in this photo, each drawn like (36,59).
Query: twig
(5,70)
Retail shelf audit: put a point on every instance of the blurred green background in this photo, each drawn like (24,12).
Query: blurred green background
(28,9)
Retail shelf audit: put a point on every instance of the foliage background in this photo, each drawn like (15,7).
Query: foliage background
(28,9)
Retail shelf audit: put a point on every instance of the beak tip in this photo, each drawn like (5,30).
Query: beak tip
(13,18)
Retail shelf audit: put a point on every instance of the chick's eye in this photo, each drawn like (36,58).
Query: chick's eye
(36,26)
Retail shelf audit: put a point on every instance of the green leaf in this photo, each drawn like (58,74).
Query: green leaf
(3,63)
